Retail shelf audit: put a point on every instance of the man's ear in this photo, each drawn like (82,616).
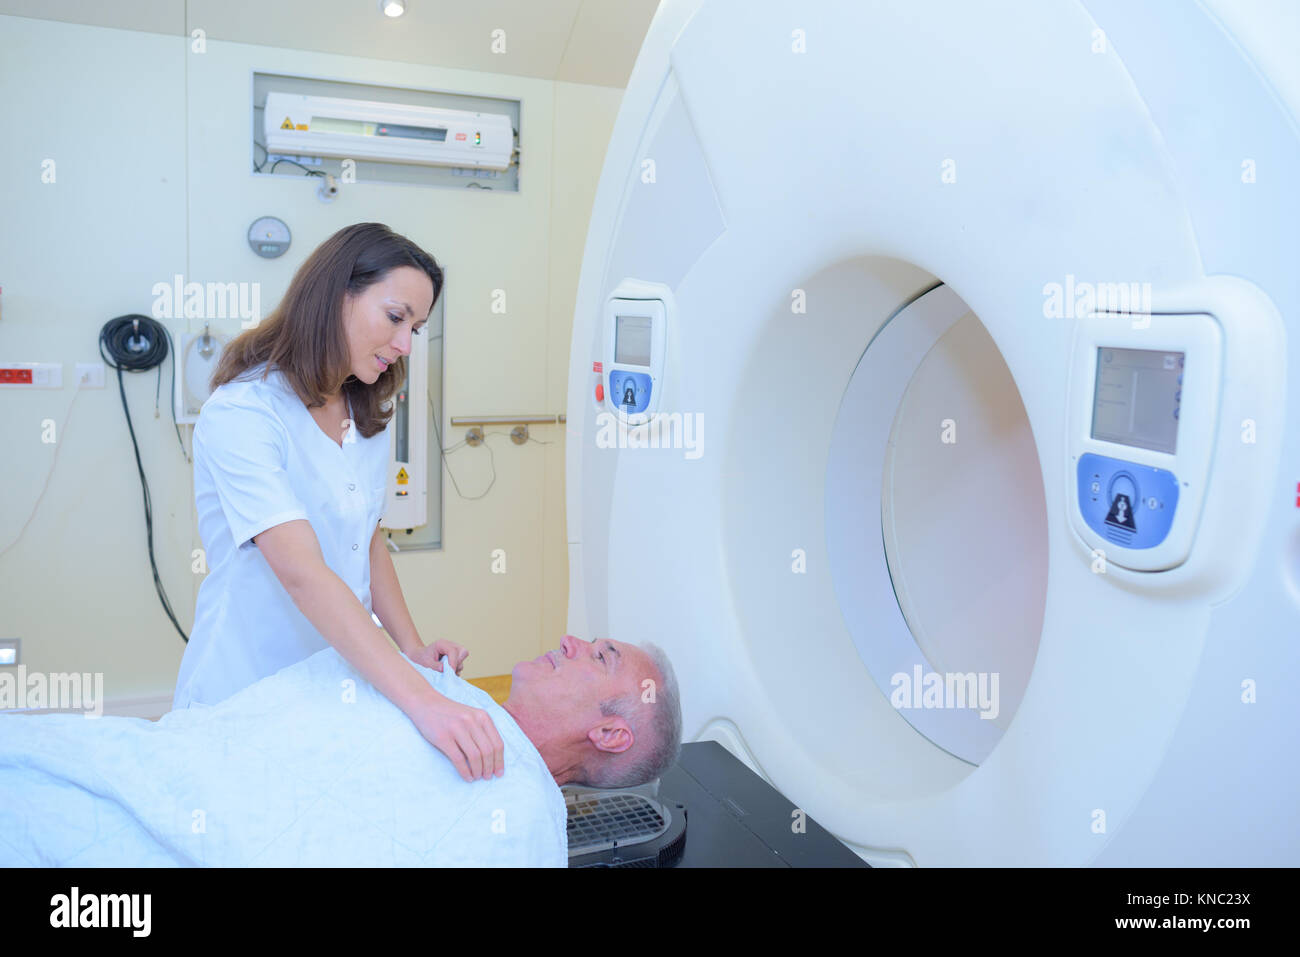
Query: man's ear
(612,735)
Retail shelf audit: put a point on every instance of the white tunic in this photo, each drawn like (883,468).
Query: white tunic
(261,460)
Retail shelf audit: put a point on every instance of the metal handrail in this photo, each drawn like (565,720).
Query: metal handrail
(464,420)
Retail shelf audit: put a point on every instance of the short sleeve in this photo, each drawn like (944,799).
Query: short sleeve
(243,447)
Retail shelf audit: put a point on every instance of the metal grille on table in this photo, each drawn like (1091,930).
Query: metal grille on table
(613,820)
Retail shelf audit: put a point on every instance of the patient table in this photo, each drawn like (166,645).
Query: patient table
(721,814)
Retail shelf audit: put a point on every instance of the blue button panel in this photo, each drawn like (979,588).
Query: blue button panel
(630,391)
(1126,503)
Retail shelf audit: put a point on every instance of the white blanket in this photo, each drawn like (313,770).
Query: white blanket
(309,767)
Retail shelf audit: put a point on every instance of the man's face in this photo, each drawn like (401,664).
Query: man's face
(564,688)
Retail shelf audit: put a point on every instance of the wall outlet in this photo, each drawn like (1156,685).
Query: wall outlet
(90,375)
(31,375)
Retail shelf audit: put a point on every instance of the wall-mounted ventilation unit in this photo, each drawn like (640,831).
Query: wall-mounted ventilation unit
(390,132)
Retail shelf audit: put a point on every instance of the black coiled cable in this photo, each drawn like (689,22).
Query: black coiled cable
(136,343)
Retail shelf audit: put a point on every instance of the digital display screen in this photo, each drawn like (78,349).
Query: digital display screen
(632,340)
(437,134)
(1137,398)
(335,124)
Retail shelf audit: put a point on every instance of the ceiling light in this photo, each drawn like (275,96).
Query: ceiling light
(392,8)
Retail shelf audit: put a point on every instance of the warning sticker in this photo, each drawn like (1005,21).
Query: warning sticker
(1121,513)
(402,477)
(287,124)
(302,126)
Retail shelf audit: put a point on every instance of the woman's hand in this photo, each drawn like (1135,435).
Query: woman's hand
(465,735)
(429,655)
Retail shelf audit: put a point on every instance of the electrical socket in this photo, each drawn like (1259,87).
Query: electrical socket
(90,375)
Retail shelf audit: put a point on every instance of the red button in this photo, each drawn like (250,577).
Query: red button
(600,397)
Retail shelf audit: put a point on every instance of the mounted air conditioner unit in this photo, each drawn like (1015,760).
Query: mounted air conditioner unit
(302,125)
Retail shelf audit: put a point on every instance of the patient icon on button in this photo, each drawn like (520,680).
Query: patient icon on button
(629,397)
(1121,513)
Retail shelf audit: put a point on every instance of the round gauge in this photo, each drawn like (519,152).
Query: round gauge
(269,237)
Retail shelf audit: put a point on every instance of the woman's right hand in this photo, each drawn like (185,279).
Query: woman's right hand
(465,735)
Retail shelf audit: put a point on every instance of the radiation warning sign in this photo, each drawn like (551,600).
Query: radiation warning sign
(287,124)
(402,477)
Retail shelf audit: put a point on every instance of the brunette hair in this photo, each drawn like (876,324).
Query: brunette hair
(305,337)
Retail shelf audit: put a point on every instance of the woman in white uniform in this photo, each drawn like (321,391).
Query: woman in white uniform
(290,477)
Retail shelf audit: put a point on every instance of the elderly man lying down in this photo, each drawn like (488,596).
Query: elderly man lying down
(312,766)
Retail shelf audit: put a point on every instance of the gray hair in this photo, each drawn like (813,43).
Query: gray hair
(656,727)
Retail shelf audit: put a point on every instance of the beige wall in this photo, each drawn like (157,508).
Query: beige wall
(151,148)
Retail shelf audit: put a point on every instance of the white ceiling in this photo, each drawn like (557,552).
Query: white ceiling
(576,41)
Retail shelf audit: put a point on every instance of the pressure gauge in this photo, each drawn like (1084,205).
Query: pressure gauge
(269,237)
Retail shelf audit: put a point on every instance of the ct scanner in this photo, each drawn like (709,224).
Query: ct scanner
(930,346)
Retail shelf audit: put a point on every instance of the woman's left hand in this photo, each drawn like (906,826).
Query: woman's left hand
(429,655)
